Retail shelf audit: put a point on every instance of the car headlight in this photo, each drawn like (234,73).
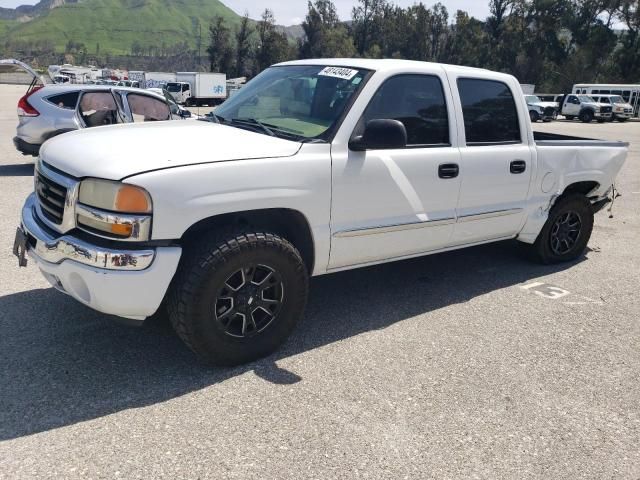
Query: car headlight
(119,210)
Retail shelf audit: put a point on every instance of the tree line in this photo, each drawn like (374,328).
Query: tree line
(550,43)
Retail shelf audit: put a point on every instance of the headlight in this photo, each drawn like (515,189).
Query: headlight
(114,196)
(117,209)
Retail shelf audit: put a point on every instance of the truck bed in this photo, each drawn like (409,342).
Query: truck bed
(556,140)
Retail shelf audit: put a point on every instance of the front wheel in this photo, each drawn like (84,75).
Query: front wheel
(586,116)
(622,120)
(566,232)
(238,296)
(534,116)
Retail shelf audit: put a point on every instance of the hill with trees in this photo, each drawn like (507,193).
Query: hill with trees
(552,44)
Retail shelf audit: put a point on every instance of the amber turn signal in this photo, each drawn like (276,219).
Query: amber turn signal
(131,199)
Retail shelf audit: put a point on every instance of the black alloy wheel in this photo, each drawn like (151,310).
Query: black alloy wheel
(249,300)
(565,233)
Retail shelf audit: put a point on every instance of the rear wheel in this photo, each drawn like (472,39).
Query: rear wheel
(238,296)
(566,232)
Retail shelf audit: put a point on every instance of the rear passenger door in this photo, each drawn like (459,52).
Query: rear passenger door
(495,161)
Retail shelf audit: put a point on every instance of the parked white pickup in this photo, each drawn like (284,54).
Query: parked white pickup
(315,166)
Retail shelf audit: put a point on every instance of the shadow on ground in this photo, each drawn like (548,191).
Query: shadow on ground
(62,363)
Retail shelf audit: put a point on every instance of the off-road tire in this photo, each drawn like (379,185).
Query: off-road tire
(204,270)
(534,116)
(542,250)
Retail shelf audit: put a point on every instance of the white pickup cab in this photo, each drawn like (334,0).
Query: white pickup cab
(314,167)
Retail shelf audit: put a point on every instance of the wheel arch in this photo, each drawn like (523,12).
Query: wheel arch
(288,223)
(583,187)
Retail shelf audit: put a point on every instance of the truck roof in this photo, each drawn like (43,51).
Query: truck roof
(387,64)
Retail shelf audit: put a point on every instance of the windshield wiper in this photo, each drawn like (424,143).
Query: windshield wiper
(212,117)
(252,122)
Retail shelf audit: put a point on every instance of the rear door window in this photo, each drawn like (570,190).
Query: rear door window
(99,108)
(489,111)
(147,109)
(65,100)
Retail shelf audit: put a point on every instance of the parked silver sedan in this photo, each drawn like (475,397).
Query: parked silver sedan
(48,110)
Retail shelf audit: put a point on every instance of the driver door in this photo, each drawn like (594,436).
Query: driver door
(401,202)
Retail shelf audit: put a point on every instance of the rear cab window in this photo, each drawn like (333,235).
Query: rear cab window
(489,111)
(67,100)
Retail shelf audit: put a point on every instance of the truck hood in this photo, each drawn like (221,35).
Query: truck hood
(119,151)
(544,104)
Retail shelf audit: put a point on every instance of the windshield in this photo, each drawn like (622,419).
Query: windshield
(299,101)
(586,98)
(173,87)
(532,99)
(617,99)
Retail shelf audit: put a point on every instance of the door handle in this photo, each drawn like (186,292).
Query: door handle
(448,170)
(518,166)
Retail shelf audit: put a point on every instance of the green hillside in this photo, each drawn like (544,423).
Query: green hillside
(116,24)
(5,26)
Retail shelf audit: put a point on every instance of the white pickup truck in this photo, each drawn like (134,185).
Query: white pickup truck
(314,167)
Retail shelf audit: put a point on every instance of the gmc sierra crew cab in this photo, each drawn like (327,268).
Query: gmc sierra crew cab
(316,166)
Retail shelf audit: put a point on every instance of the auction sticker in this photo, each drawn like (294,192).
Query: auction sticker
(338,72)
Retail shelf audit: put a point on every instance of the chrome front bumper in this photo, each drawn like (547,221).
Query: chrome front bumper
(129,283)
(52,249)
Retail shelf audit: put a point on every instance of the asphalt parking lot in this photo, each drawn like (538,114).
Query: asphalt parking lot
(470,364)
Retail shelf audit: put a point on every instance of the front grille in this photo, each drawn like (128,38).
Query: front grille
(549,111)
(51,197)
(627,110)
(605,109)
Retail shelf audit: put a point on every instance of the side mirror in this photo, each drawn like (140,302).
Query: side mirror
(380,134)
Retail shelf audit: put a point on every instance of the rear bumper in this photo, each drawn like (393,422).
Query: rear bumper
(26,148)
(128,283)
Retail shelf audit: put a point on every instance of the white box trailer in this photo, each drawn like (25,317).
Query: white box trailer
(158,79)
(200,88)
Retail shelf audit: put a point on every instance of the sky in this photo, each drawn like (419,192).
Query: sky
(292,12)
